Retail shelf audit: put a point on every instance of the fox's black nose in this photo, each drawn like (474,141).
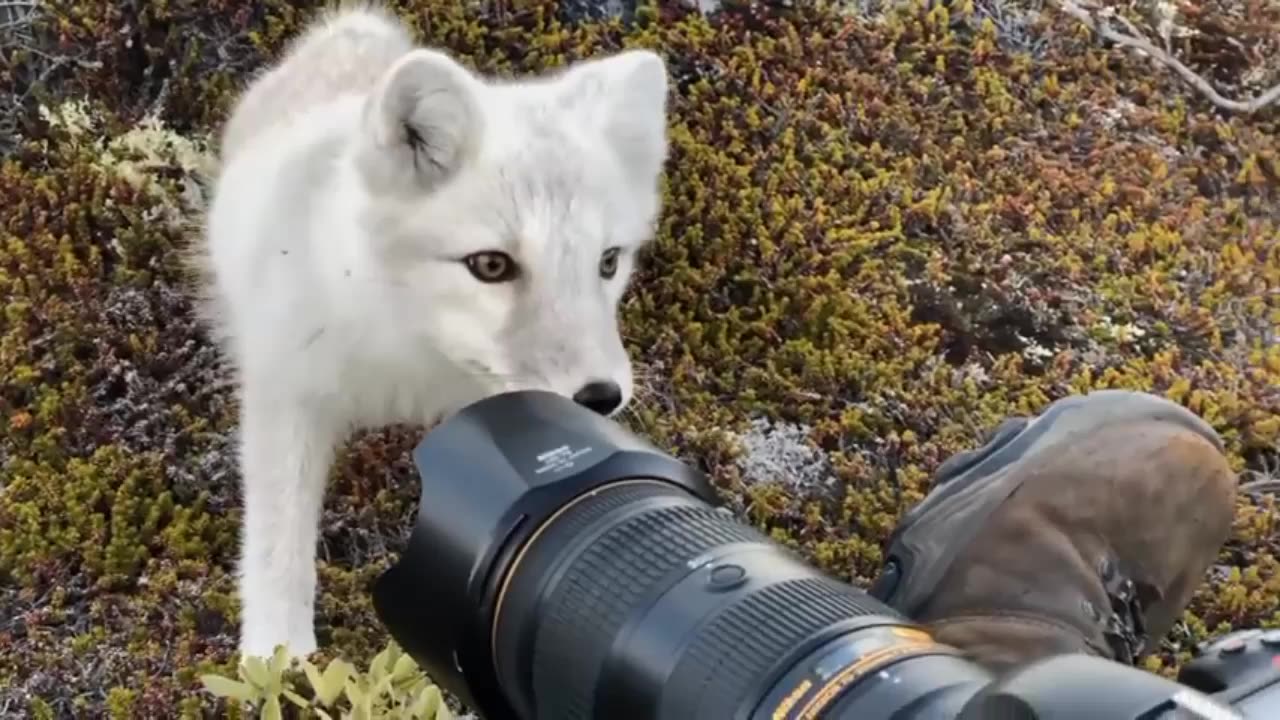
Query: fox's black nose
(601,396)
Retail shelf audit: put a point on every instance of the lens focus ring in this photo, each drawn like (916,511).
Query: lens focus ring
(727,661)
(596,588)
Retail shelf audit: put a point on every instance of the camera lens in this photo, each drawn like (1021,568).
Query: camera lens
(561,568)
(640,600)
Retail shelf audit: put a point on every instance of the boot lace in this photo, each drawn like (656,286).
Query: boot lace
(1125,626)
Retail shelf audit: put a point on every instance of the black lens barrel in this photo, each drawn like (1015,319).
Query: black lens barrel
(642,601)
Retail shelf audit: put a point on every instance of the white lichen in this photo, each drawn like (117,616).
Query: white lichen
(137,154)
(780,453)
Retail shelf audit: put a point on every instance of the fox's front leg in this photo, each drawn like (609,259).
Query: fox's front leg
(286,451)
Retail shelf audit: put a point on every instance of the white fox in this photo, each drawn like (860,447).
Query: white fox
(391,236)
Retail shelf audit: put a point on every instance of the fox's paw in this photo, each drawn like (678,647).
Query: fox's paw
(269,619)
(263,644)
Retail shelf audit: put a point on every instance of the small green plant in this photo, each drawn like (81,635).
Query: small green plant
(392,687)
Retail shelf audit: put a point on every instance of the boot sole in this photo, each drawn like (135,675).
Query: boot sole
(931,534)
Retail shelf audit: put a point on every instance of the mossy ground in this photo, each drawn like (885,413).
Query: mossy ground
(889,230)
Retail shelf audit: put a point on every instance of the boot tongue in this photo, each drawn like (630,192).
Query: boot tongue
(960,463)
(957,466)
(923,558)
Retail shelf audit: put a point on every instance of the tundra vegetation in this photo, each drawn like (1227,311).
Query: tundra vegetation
(888,225)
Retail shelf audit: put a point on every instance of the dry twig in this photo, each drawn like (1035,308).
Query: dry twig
(1135,40)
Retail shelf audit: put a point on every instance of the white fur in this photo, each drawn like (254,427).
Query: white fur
(333,259)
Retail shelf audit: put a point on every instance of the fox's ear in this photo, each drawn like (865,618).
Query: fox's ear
(625,95)
(421,122)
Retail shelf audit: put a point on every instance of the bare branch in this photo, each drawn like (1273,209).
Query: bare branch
(1137,41)
(1261,487)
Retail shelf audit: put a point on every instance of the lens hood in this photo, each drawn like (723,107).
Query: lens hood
(491,474)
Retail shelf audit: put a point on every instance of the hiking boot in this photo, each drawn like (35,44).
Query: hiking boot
(1084,529)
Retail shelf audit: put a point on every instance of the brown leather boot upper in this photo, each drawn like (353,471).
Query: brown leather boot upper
(1086,530)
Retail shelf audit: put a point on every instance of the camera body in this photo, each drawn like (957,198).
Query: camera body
(561,568)
(1241,668)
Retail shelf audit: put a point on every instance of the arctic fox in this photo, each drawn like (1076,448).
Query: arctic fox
(393,235)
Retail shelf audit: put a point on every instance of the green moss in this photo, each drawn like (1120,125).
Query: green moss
(892,232)
(120,703)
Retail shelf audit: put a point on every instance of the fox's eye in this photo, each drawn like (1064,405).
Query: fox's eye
(609,263)
(491,266)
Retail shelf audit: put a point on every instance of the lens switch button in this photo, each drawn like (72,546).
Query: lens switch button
(726,577)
